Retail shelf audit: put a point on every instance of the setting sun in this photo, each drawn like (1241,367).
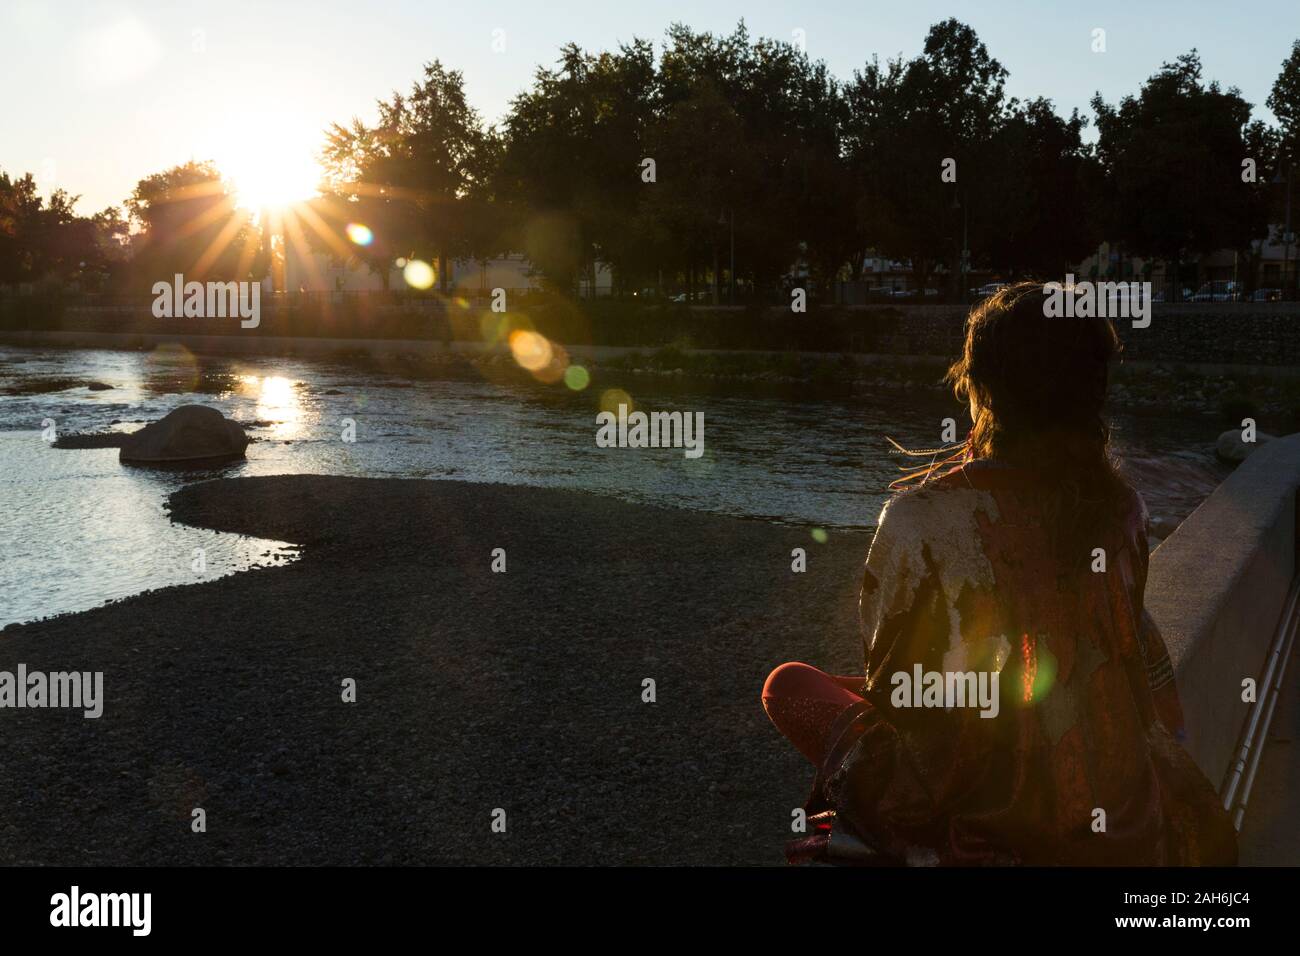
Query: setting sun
(271,181)
(269,165)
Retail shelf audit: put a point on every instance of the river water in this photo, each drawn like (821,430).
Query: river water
(78,528)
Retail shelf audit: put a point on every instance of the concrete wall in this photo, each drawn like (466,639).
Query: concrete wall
(1246,333)
(317,272)
(1256,334)
(1216,589)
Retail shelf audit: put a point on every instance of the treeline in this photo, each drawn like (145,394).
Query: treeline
(43,237)
(667,167)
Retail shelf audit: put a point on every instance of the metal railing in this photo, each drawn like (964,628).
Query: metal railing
(1241,775)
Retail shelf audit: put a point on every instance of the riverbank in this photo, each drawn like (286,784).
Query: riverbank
(475,690)
(1226,389)
(1228,333)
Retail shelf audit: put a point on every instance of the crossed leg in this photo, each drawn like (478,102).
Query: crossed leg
(803,702)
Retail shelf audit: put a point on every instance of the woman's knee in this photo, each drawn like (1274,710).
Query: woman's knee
(794,679)
(804,703)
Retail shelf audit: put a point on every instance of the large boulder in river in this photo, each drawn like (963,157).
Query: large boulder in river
(1231,448)
(189,433)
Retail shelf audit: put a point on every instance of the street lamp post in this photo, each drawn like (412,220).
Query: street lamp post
(965,255)
(728,217)
(1287,237)
(731,276)
(1286,230)
(963,258)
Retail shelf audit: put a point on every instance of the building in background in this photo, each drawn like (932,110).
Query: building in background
(1268,264)
(313,271)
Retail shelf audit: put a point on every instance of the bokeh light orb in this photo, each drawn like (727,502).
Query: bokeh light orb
(174,364)
(611,398)
(359,234)
(531,349)
(576,377)
(493,328)
(418,274)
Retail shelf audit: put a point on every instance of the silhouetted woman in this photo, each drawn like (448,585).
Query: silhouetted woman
(1024,557)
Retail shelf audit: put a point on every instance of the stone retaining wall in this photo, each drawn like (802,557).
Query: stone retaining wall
(1216,589)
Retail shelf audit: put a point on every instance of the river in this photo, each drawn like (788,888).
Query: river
(79,528)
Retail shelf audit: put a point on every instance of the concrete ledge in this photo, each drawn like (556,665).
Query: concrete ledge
(1216,588)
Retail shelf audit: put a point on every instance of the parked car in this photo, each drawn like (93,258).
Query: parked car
(1267,295)
(1162,295)
(1124,297)
(1220,290)
(984,291)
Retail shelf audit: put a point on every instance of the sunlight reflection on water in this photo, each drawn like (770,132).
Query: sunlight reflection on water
(90,530)
(80,529)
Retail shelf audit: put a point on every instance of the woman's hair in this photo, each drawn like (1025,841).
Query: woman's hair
(1039,385)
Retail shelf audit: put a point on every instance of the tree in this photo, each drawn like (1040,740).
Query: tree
(189,224)
(44,238)
(1284,101)
(1036,208)
(1264,147)
(750,131)
(699,176)
(413,175)
(1173,157)
(19,206)
(570,163)
(905,120)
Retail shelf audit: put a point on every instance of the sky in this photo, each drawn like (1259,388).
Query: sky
(97,95)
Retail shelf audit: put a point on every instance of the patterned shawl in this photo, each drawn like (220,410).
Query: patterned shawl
(1081,765)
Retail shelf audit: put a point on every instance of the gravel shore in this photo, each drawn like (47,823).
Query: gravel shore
(475,690)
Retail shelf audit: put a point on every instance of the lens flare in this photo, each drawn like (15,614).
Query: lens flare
(170,367)
(611,398)
(493,328)
(531,350)
(576,377)
(360,234)
(1039,665)
(819,535)
(418,274)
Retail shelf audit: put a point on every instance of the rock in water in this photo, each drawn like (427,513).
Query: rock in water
(189,433)
(1231,448)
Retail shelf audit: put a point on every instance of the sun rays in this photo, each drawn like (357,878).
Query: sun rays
(309,226)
